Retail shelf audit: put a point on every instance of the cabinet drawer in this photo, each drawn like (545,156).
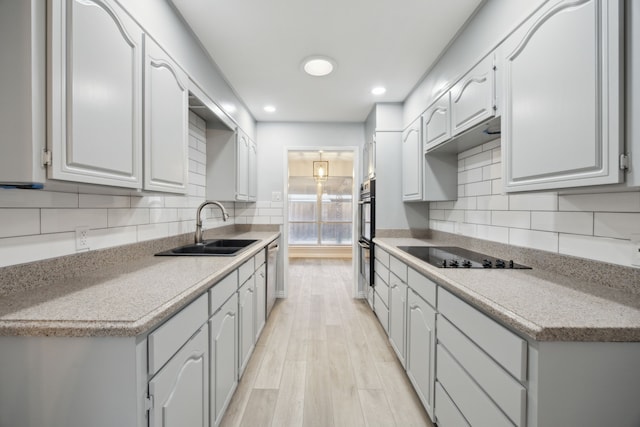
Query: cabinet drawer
(382,312)
(447,415)
(473,403)
(221,291)
(398,268)
(382,290)
(382,256)
(422,286)
(259,258)
(165,341)
(506,392)
(382,271)
(504,346)
(245,271)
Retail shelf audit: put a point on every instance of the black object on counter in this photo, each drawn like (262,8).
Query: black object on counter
(454,257)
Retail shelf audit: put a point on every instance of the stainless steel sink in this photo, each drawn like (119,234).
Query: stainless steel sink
(216,247)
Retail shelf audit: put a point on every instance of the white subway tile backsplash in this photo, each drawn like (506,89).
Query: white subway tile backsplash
(19,222)
(153,231)
(533,202)
(601,202)
(496,155)
(148,202)
(277,205)
(491,145)
(495,234)
(124,217)
(478,160)
(445,226)
(460,191)
(469,230)
(478,217)
(465,203)
(615,251)
(277,220)
(511,219)
(37,199)
(259,220)
(103,201)
(436,214)
(543,240)
(497,187)
(493,171)
(493,203)
(482,188)
(454,216)
(270,212)
(110,237)
(163,215)
(60,220)
(18,250)
(563,222)
(262,204)
(197,179)
(467,176)
(617,225)
(197,155)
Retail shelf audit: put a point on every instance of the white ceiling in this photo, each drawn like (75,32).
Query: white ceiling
(259,46)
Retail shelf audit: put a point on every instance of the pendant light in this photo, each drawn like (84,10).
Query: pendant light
(320,169)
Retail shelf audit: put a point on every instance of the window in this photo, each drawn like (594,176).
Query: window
(320,213)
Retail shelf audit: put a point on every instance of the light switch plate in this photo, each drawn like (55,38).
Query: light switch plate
(276,196)
(635,247)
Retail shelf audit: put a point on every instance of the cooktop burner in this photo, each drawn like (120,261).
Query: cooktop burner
(454,257)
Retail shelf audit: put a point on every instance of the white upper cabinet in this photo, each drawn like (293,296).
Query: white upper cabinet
(562,109)
(437,122)
(95,94)
(412,162)
(473,97)
(242,166)
(166,136)
(252,172)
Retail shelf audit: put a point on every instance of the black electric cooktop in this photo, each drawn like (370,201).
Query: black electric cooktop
(454,257)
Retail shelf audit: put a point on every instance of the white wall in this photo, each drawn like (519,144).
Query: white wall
(275,138)
(593,226)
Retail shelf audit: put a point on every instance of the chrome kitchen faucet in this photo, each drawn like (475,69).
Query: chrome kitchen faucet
(225,216)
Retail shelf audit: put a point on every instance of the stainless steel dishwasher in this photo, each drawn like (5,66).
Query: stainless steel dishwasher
(272,273)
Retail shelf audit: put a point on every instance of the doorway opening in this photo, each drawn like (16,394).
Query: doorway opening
(320,207)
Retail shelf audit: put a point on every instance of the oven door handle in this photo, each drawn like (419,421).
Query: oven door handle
(363,244)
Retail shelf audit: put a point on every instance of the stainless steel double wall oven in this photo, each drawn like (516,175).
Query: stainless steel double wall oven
(366,233)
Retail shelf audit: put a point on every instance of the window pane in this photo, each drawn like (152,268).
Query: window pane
(302,211)
(336,234)
(303,233)
(336,211)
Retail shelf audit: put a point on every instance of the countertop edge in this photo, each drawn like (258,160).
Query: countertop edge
(143,325)
(508,318)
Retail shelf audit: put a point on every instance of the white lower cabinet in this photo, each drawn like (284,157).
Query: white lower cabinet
(397,309)
(223,327)
(421,341)
(246,318)
(261,299)
(181,389)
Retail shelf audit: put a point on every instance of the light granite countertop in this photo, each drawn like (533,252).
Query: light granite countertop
(122,300)
(538,304)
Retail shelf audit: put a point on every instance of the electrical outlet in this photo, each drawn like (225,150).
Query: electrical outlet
(276,196)
(82,239)
(635,247)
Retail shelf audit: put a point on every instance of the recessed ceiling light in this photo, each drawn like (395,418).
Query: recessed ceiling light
(378,90)
(269,108)
(318,66)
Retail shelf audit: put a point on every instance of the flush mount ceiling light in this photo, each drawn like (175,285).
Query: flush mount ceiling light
(318,66)
(270,108)
(378,90)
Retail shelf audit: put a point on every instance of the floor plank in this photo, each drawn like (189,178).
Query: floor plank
(323,360)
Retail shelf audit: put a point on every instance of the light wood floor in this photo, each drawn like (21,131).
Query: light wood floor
(323,360)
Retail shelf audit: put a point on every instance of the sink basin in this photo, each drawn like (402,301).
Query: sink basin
(217,247)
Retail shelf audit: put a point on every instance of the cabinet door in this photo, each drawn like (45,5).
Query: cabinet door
(473,97)
(397,316)
(180,391)
(562,118)
(252,172)
(421,341)
(223,328)
(242,166)
(95,94)
(246,310)
(261,299)
(412,162)
(166,137)
(437,123)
